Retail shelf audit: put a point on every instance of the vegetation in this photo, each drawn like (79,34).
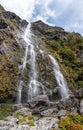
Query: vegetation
(67,49)
(5,110)
(72,122)
(31,123)
(31,117)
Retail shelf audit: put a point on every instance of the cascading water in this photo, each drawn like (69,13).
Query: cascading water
(61,81)
(34,85)
(26,37)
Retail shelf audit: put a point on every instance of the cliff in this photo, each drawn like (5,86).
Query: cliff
(66,47)
(38,63)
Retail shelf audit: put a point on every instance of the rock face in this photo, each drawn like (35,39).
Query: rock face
(64,46)
(11,51)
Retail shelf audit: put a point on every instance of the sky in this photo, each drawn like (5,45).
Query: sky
(67,14)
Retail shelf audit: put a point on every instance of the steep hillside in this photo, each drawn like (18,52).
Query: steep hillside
(10,53)
(66,47)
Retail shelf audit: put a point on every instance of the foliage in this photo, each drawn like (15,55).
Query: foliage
(72,122)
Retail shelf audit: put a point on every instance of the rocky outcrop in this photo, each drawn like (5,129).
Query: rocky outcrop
(39,104)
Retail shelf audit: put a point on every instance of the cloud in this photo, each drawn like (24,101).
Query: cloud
(65,13)
(23,8)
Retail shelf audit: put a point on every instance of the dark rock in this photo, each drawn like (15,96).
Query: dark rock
(43,28)
(13,16)
(79,93)
(68,104)
(3,24)
(24,23)
(39,103)
(2,51)
(10,15)
(39,100)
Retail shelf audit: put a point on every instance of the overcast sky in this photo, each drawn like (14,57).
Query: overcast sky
(64,13)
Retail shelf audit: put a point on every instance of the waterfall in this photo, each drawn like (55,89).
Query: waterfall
(61,81)
(34,86)
(26,37)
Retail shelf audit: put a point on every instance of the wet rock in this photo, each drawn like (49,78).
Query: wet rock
(39,100)
(81,107)
(61,113)
(39,103)
(47,112)
(68,104)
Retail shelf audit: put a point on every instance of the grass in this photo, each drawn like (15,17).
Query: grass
(5,110)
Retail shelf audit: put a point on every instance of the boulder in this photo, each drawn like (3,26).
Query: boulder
(47,112)
(39,103)
(39,100)
(79,93)
(81,107)
(61,113)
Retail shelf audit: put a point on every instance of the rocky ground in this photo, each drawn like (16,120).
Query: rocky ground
(41,114)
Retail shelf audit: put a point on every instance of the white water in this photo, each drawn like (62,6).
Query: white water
(19,92)
(26,38)
(34,85)
(61,81)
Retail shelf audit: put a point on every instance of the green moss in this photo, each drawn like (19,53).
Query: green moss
(22,120)
(77,119)
(31,123)
(17,114)
(5,110)
(67,55)
(80,83)
(31,117)
(72,120)
(9,72)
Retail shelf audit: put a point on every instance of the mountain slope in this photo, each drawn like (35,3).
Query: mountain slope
(66,47)
(10,53)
